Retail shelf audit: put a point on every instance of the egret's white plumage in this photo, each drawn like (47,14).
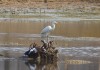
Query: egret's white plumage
(48,29)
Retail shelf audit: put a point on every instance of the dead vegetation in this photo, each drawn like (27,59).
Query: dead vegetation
(60,8)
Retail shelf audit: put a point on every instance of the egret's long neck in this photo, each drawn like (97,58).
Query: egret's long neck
(53,26)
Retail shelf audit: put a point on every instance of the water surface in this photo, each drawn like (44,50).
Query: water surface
(78,42)
(68,59)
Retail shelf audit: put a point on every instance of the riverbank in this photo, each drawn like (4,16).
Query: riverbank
(50,10)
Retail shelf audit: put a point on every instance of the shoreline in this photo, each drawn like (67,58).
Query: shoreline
(51,10)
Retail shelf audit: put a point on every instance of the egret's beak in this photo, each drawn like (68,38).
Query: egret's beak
(56,22)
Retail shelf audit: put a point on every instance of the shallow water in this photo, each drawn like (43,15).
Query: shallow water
(78,43)
(68,59)
(22,32)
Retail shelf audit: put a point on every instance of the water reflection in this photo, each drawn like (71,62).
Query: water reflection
(42,65)
(68,63)
(80,64)
(67,59)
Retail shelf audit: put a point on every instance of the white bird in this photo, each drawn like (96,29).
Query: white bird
(45,32)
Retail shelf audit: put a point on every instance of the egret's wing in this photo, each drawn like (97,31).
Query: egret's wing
(46,30)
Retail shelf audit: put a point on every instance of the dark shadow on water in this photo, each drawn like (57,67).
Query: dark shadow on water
(42,65)
(63,63)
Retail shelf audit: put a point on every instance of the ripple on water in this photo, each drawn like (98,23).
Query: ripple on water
(75,61)
(81,51)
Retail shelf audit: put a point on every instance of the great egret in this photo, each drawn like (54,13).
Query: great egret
(45,32)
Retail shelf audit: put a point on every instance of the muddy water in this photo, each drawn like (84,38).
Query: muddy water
(73,32)
(78,43)
(79,28)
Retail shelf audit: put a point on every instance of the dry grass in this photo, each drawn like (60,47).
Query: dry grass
(40,9)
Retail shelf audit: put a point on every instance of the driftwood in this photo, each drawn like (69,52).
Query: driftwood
(46,52)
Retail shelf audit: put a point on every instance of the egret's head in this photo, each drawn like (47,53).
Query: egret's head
(54,22)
